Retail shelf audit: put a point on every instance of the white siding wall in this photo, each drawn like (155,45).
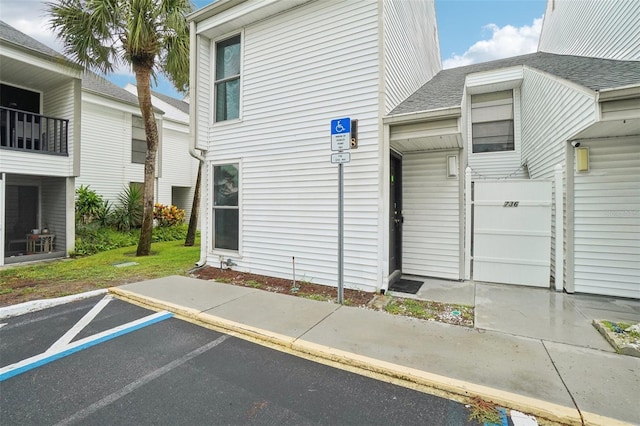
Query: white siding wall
(293,84)
(607,219)
(411,48)
(204,109)
(53,209)
(106,151)
(431,210)
(546,123)
(594,28)
(546,126)
(60,103)
(178,168)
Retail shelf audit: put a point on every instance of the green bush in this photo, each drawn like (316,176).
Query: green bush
(169,233)
(89,205)
(128,214)
(92,239)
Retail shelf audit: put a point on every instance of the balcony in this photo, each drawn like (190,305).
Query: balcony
(28,132)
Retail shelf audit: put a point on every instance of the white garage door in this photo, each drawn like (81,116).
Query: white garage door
(512,232)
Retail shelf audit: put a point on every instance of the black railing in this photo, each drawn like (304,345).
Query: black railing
(25,131)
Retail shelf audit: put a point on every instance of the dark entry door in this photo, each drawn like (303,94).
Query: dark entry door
(395,212)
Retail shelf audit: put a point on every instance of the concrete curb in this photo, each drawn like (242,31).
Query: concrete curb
(37,305)
(539,408)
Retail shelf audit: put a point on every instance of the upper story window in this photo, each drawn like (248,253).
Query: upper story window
(227,79)
(492,122)
(138,140)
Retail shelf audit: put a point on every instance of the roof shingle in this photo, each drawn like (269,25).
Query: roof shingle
(445,89)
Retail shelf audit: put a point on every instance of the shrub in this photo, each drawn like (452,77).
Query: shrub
(128,214)
(89,205)
(169,233)
(167,215)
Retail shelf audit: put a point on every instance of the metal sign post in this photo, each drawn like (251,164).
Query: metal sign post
(340,141)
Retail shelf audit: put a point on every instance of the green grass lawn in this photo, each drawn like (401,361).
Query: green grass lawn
(69,276)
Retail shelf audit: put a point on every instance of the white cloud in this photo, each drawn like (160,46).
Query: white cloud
(504,42)
(31,18)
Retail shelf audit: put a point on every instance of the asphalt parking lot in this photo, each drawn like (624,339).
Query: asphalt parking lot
(123,364)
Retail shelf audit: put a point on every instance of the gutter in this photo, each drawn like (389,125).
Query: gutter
(193,126)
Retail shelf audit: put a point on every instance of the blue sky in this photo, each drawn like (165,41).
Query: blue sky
(470,31)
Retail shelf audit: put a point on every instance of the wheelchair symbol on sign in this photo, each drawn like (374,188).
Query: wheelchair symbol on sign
(339,127)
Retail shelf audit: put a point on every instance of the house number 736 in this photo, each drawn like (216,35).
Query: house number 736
(511,204)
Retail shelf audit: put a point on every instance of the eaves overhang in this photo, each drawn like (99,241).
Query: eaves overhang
(423,116)
(225,16)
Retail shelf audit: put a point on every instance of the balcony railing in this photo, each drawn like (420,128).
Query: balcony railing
(25,131)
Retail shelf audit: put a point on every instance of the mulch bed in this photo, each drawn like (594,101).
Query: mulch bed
(281,285)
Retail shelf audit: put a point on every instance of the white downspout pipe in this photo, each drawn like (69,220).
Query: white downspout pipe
(193,127)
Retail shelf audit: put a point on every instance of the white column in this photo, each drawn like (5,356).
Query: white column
(467,217)
(559,225)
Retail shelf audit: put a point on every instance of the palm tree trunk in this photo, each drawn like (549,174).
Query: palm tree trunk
(190,240)
(146,108)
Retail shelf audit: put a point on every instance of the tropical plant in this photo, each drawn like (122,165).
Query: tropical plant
(168,215)
(128,214)
(148,35)
(88,205)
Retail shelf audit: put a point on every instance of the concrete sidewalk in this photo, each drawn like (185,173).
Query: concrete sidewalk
(532,350)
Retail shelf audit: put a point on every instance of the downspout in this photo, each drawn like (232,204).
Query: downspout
(193,126)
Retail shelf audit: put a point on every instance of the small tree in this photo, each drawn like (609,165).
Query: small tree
(149,35)
(190,239)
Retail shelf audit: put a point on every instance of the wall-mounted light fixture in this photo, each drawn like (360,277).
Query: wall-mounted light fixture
(582,159)
(452,166)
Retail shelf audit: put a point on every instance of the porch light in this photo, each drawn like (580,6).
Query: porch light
(582,159)
(452,166)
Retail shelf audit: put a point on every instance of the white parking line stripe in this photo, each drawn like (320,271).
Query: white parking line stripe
(77,328)
(46,357)
(93,408)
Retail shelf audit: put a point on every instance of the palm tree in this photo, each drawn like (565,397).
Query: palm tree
(149,35)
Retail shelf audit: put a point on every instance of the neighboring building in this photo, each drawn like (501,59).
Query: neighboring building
(40,95)
(112,123)
(44,101)
(608,29)
(515,123)
(270,77)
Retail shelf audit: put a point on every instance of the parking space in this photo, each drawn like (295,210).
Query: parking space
(174,372)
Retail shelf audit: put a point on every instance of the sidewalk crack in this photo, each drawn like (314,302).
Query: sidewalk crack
(575,403)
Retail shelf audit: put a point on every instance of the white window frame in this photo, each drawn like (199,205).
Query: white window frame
(213,102)
(211,207)
(512,119)
(135,139)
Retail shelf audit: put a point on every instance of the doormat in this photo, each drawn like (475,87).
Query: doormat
(406,286)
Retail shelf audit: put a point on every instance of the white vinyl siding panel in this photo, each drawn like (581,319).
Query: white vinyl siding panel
(411,48)
(595,28)
(294,83)
(106,151)
(54,215)
(431,211)
(546,123)
(204,95)
(179,168)
(607,219)
(546,126)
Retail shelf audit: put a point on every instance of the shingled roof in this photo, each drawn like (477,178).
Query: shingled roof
(12,35)
(177,103)
(98,84)
(445,89)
